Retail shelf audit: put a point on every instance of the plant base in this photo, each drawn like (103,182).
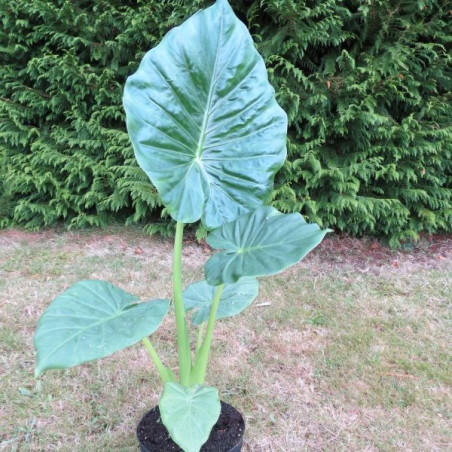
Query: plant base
(226,435)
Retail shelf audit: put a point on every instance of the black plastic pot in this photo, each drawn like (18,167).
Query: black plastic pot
(226,435)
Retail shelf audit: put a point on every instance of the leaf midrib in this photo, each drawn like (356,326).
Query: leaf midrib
(213,82)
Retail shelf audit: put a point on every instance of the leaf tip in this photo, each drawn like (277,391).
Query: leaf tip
(38,371)
(225,6)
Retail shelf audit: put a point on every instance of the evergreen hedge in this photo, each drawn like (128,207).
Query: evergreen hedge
(366,85)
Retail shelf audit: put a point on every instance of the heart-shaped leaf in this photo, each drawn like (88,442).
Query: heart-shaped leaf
(189,413)
(90,320)
(234,299)
(259,243)
(203,119)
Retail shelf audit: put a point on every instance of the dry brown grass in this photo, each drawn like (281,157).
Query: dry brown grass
(346,351)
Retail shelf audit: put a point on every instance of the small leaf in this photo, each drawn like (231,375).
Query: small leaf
(234,299)
(90,320)
(25,392)
(189,413)
(259,243)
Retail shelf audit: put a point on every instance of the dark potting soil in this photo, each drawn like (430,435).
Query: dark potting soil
(225,434)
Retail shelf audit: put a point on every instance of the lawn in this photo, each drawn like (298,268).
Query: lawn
(346,351)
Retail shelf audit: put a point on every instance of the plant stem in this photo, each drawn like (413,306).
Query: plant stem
(183,342)
(202,327)
(165,373)
(202,357)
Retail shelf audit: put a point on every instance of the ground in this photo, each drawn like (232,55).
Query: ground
(347,350)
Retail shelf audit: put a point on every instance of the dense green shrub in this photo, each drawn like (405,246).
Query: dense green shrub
(366,85)
(65,153)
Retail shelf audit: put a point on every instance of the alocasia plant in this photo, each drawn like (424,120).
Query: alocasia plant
(207,130)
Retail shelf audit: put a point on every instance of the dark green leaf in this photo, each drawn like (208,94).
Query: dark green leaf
(259,243)
(204,121)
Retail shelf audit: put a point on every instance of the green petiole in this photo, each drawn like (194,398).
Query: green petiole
(183,342)
(200,336)
(165,373)
(198,374)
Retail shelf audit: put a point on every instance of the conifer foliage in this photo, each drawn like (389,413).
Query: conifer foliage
(367,88)
(366,85)
(65,153)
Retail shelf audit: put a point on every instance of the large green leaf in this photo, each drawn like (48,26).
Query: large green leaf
(90,320)
(234,299)
(189,413)
(259,243)
(203,119)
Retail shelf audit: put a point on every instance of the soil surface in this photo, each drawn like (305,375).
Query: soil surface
(336,250)
(226,433)
(362,253)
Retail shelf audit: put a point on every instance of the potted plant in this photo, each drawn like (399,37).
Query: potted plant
(207,130)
